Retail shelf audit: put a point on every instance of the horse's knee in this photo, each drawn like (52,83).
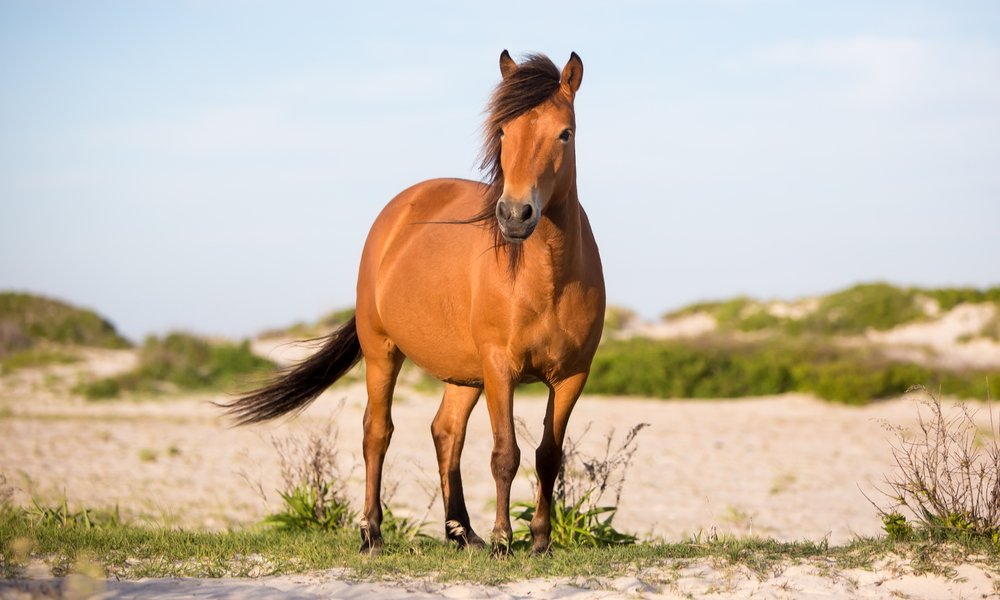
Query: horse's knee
(505,461)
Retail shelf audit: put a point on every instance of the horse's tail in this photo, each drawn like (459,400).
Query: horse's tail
(296,387)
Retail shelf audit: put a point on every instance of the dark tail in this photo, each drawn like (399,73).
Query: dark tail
(296,387)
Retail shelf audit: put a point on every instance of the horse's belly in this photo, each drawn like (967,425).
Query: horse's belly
(423,296)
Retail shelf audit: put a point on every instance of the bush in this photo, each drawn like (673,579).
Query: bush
(314,488)
(578,518)
(180,361)
(720,368)
(26,319)
(949,298)
(852,312)
(949,476)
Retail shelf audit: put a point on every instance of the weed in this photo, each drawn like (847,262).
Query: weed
(147,455)
(946,480)
(61,516)
(577,515)
(394,527)
(314,489)
(306,508)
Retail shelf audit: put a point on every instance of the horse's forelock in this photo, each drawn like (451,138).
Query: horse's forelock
(535,81)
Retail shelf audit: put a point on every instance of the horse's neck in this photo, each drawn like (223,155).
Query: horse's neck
(560,245)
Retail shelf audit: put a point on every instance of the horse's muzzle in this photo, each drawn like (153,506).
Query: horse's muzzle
(517,219)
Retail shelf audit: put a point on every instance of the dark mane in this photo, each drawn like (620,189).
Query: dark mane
(535,81)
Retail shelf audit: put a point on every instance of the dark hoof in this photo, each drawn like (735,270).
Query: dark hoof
(370,545)
(500,551)
(464,536)
(542,551)
(370,550)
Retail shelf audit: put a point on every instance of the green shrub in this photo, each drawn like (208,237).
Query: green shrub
(180,361)
(949,298)
(102,389)
(852,312)
(307,508)
(26,319)
(720,368)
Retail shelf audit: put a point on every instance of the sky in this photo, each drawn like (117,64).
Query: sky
(215,166)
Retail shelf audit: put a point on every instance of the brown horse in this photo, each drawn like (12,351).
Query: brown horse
(482,285)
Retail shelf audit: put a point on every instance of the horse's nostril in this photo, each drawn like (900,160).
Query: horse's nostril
(526,212)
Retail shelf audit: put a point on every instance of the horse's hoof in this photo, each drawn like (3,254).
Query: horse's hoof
(474,542)
(546,551)
(370,549)
(500,551)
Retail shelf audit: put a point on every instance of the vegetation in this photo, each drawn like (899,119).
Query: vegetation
(130,551)
(578,517)
(725,368)
(948,477)
(180,361)
(615,318)
(33,330)
(324,325)
(314,488)
(854,311)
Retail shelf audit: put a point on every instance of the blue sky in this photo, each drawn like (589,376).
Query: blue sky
(215,166)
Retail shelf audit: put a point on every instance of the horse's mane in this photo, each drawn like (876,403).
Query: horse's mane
(535,81)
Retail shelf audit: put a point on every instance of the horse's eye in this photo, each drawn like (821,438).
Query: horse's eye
(564,136)
(501,132)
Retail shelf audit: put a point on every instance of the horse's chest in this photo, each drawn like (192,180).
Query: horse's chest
(549,337)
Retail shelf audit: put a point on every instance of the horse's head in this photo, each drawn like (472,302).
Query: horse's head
(537,149)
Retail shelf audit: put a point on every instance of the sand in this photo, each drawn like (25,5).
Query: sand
(790,467)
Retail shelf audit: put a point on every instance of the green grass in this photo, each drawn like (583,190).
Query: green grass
(131,552)
(36,357)
(181,362)
(26,320)
(723,368)
(853,311)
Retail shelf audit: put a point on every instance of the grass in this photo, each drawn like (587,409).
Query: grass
(726,368)
(853,311)
(180,362)
(26,320)
(130,552)
(36,357)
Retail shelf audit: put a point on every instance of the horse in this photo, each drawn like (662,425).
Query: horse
(483,285)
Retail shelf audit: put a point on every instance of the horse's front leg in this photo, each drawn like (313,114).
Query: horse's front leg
(448,429)
(380,377)
(548,458)
(506,457)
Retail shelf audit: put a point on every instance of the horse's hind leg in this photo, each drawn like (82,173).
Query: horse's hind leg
(448,429)
(548,457)
(381,369)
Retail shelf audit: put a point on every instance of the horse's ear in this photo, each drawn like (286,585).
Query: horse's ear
(572,75)
(507,65)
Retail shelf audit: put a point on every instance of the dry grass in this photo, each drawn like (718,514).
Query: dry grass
(948,476)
